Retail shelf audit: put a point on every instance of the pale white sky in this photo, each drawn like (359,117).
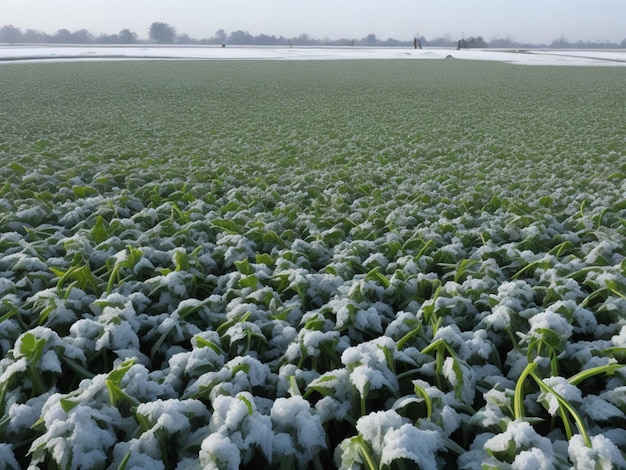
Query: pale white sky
(536,21)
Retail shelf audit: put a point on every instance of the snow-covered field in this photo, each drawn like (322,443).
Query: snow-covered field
(526,57)
(332,264)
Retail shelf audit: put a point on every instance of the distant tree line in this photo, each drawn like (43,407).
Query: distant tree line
(13,35)
(565,44)
(163,33)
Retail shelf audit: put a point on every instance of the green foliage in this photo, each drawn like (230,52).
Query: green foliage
(368,237)
(113,384)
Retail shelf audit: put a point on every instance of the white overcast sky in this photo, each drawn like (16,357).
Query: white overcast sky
(536,21)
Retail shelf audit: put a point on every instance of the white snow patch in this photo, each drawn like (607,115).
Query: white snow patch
(409,442)
(602,452)
(526,57)
(218,452)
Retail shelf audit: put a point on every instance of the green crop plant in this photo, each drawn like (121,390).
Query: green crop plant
(312,263)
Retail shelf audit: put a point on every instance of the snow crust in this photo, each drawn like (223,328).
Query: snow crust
(525,57)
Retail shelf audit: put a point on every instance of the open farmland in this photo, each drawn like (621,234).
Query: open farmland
(355,264)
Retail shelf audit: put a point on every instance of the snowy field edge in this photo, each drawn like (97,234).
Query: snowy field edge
(568,57)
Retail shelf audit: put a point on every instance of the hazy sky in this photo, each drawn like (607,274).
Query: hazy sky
(537,21)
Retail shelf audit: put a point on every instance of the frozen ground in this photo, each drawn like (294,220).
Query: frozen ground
(527,57)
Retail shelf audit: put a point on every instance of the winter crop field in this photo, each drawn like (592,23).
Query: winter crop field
(312,264)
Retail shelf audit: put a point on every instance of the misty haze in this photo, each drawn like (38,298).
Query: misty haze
(164,33)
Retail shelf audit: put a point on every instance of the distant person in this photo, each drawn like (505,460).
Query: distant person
(459,44)
(415,43)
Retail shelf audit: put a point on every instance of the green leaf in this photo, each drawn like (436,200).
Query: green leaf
(365,453)
(550,338)
(114,380)
(608,369)
(204,343)
(567,406)
(421,392)
(6,187)
(265,258)
(124,461)
(321,386)
(81,274)
(243,367)
(436,345)
(32,347)
(244,267)
(251,282)
(518,397)
(377,276)
(228,226)
(414,332)
(99,232)
(615,288)
(248,404)
(68,404)
(84,191)
(181,260)
(16,167)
